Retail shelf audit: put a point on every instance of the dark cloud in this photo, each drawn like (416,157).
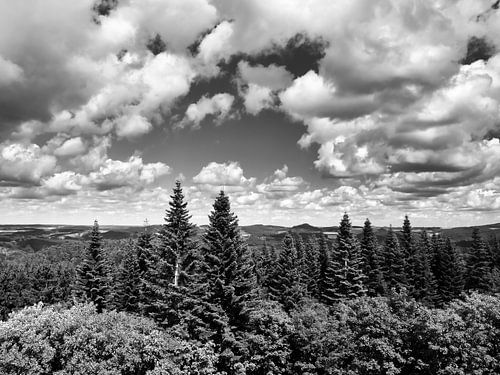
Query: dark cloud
(298,55)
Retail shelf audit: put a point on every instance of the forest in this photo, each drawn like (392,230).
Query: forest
(168,302)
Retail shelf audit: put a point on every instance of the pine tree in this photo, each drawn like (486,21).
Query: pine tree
(395,265)
(371,261)
(478,264)
(344,274)
(226,285)
(170,266)
(92,274)
(286,286)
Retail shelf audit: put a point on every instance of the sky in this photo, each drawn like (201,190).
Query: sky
(300,110)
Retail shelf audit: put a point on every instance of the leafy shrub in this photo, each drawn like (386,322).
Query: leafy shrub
(47,340)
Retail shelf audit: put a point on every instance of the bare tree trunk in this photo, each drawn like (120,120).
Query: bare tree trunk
(176,274)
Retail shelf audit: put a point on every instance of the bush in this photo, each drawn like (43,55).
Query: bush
(48,340)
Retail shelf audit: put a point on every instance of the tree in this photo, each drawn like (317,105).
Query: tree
(408,249)
(344,274)
(424,284)
(371,261)
(448,272)
(170,268)
(127,287)
(323,262)
(286,286)
(92,274)
(226,283)
(311,271)
(478,264)
(395,265)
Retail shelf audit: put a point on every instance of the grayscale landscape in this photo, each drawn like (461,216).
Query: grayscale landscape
(251,187)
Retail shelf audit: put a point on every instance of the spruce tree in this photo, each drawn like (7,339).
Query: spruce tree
(371,261)
(449,273)
(92,274)
(408,250)
(424,284)
(344,274)
(323,262)
(395,264)
(478,264)
(311,271)
(286,286)
(226,284)
(170,265)
(127,286)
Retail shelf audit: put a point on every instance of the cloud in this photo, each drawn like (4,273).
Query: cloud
(280,184)
(256,98)
(259,85)
(71,147)
(218,105)
(273,77)
(24,164)
(222,175)
(312,96)
(132,126)
(114,174)
(9,72)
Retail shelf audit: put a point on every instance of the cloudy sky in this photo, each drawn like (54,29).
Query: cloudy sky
(299,109)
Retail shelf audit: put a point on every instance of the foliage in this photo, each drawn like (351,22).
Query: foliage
(48,340)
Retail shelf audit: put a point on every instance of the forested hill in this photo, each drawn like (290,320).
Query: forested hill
(17,239)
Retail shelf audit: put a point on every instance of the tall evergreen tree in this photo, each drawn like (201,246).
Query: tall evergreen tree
(93,273)
(478,264)
(408,250)
(170,266)
(127,286)
(395,263)
(344,274)
(448,272)
(287,286)
(311,269)
(371,261)
(424,283)
(323,262)
(226,285)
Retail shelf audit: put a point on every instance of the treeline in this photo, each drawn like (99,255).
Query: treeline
(309,307)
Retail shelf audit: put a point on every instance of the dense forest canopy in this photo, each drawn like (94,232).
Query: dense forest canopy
(169,302)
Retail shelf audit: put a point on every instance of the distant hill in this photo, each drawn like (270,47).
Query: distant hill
(29,238)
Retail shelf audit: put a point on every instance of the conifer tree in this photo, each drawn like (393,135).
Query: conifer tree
(170,266)
(478,264)
(268,265)
(323,262)
(424,283)
(371,261)
(344,274)
(395,265)
(448,272)
(408,250)
(127,286)
(92,274)
(286,286)
(144,248)
(226,284)
(311,270)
